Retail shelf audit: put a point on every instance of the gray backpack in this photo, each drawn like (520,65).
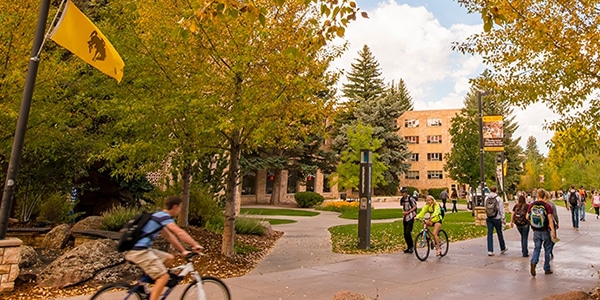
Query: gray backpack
(491,207)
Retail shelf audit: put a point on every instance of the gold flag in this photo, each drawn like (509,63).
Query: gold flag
(75,32)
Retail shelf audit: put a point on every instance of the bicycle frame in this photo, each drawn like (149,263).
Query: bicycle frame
(185,269)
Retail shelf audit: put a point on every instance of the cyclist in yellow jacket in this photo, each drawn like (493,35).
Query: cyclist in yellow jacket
(435,219)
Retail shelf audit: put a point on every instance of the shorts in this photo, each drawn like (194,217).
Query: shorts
(150,260)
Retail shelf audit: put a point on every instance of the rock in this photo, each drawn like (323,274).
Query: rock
(572,295)
(268,229)
(123,272)
(81,263)
(89,223)
(28,257)
(57,238)
(344,295)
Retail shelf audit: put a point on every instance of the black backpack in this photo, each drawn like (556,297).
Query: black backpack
(132,231)
(573,198)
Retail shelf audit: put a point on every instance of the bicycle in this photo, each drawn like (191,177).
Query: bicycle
(424,242)
(201,288)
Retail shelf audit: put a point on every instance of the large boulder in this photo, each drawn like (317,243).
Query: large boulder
(28,257)
(268,229)
(57,238)
(81,264)
(89,223)
(119,273)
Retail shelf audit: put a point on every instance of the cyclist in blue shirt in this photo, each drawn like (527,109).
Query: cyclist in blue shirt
(153,261)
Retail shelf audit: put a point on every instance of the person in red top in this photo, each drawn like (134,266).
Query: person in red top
(539,214)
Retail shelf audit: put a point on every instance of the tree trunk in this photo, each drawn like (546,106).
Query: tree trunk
(277,187)
(230,205)
(182,219)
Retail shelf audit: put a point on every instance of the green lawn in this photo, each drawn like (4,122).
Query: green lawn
(279,221)
(388,237)
(376,214)
(278,212)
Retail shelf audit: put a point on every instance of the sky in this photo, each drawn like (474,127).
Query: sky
(411,40)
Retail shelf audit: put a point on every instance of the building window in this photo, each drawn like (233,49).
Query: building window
(434,139)
(414,157)
(414,139)
(434,122)
(270,181)
(434,156)
(249,184)
(412,175)
(435,175)
(292,183)
(310,183)
(326,186)
(411,123)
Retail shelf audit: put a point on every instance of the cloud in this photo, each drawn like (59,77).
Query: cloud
(410,44)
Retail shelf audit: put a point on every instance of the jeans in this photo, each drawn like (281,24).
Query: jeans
(408,227)
(575,215)
(582,211)
(497,224)
(454,209)
(540,238)
(524,231)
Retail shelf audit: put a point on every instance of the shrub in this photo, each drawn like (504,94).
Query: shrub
(204,207)
(339,206)
(57,208)
(308,199)
(242,225)
(435,192)
(115,218)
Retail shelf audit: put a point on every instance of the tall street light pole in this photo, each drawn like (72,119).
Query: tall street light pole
(481,150)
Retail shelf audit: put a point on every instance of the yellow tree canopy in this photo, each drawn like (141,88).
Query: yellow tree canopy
(542,51)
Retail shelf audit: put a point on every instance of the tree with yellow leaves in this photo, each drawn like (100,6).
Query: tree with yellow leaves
(542,51)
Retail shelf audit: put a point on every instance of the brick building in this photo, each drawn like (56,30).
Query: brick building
(429,141)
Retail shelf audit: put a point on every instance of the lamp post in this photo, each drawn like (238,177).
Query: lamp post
(481,151)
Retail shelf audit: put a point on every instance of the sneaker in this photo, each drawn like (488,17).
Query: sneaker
(409,250)
(548,272)
(596,217)
(525,255)
(503,251)
(490,253)
(532,269)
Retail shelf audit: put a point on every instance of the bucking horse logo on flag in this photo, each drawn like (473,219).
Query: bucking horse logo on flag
(97,43)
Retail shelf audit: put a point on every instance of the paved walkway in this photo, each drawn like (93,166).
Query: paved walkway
(302,266)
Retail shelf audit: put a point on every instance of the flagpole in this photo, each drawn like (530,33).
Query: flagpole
(15,155)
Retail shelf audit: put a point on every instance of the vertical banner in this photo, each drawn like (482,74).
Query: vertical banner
(500,176)
(493,133)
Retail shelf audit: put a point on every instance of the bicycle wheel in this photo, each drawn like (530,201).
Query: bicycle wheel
(422,245)
(444,243)
(213,288)
(119,290)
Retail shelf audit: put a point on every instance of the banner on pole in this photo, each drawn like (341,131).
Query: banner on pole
(493,133)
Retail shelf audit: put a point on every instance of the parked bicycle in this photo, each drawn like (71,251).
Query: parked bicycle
(425,242)
(201,288)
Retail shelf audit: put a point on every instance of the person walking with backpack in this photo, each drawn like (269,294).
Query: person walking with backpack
(409,208)
(152,261)
(540,218)
(573,202)
(583,196)
(494,209)
(519,218)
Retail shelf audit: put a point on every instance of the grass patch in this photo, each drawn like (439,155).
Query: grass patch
(278,212)
(376,214)
(279,221)
(388,237)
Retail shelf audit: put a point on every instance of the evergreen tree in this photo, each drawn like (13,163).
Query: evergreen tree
(364,79)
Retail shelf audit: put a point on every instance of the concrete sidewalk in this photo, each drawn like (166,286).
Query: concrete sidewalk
(302,266)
